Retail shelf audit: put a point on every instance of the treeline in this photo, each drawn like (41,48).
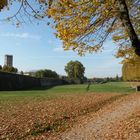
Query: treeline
(8,69)
(75,70)
(46,73)
(106,79)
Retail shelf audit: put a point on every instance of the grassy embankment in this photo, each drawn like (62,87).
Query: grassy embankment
(111,87)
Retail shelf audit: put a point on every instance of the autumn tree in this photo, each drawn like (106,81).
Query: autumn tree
(84,25)
(131,70)
(75,70)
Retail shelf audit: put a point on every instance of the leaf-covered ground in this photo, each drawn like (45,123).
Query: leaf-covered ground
(30,117)
(39,113)
(128,129)
(119,120)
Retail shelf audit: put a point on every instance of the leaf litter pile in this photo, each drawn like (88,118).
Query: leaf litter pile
(29,118)
(127,129)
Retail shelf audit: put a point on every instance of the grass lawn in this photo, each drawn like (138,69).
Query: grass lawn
(110,87)
(102,88)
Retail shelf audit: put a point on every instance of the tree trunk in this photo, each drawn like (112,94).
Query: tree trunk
(124,17)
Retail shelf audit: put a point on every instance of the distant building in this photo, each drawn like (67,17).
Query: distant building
(8,60)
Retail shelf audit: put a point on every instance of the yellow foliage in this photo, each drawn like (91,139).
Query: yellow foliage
(84,25)
(41,1)
(131,69)
(87,23)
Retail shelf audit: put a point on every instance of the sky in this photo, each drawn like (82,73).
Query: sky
(35,47)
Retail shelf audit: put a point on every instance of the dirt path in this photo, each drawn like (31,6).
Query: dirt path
(101,125)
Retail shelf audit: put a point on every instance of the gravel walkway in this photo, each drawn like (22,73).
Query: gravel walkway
(100,125)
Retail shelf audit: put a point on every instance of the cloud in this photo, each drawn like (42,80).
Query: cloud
(21,35)
(50,42)
(58,49)
(17,44)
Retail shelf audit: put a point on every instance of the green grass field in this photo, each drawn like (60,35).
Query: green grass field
(107,87)
(110,87)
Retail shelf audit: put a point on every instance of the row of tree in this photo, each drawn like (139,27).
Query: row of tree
(74,70)
(106,79)
(44,73)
